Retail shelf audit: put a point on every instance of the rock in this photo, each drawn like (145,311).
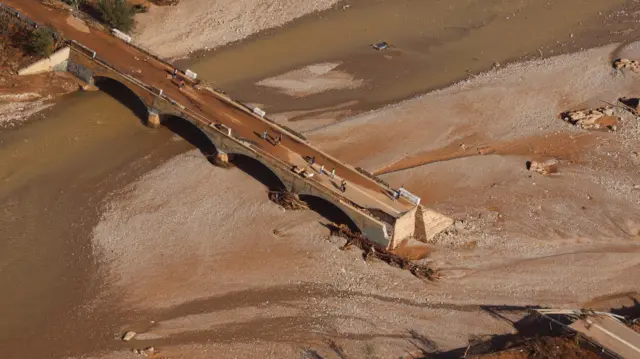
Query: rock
(128,336)
(148,352)
(593,119)
(544,168)
(632,65)
(636,186)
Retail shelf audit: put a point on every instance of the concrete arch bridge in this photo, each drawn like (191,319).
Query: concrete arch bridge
(234,129)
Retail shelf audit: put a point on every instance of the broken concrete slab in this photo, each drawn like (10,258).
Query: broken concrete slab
(602,118)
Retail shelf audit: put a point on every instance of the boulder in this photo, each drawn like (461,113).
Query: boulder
(128,336)
(544,168)
(602,118)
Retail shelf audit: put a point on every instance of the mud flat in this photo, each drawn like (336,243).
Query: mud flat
(174,31)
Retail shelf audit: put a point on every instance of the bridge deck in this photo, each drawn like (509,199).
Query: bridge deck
(212,108)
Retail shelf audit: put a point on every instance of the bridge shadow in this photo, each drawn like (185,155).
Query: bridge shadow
(258,171)
(329,211)
(190,133)
(122,94)
(198,139)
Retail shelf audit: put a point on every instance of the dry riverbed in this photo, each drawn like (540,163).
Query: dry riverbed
(177,245)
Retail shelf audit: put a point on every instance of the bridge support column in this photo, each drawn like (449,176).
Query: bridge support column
(222,157)
(153,120)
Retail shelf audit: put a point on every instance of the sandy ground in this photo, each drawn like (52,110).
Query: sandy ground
(211,266)
(24,96)
(510,116)
(312,79)
(175,31)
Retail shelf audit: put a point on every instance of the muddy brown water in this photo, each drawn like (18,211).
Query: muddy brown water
(56,171)
(434,43)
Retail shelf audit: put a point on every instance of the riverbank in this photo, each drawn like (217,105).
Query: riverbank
(178,30)
(24,96)
(21,97)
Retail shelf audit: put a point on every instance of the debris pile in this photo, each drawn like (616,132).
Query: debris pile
(371,250)
(544,168)
(593,119)
(621,64)
(542,347)
(149,352)
(287,200)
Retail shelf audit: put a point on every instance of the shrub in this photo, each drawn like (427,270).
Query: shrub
(117,14)
(74,3)
(41,42)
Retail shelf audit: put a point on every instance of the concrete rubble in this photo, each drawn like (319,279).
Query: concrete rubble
(128,336)
(148,352)
(621,64)
(602,118)
(544,168)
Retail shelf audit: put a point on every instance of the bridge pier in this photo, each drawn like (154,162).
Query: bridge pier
(153,120)
(222,157)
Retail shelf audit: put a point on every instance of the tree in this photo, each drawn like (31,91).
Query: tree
(74,3)
(41,42)
(117,14)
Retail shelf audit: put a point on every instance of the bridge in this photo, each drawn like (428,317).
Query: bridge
(94,55)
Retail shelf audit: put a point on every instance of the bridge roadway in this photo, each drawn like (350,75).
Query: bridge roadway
(211,107)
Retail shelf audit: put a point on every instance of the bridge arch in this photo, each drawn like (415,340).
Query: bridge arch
(258,170)
(123,94)
(329,210)
(190,133)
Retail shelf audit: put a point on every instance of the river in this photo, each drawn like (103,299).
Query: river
(56,170)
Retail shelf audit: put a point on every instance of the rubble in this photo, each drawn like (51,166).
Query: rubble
(593,119)
(128,336)
(287,200)
(544,168)
(621,64)
(145,352)
(371,250)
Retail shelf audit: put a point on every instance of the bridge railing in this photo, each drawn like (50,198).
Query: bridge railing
(94,57)
(219,95)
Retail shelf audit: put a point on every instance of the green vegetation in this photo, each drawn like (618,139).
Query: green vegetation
(41,42)
(117,14)
(74,3)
